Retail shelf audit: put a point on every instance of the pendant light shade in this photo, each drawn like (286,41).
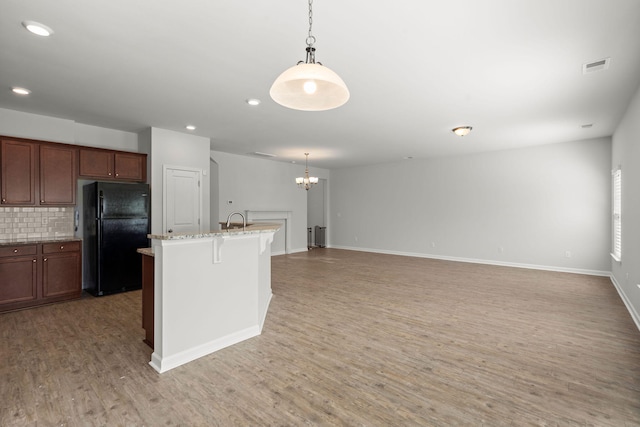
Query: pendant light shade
(309,87)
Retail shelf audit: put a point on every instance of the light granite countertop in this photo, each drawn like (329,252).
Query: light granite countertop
(36,240)
(145,251)
(254,228)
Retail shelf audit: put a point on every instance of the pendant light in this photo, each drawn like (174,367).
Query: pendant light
(309,85)
(462,130)
(306,181)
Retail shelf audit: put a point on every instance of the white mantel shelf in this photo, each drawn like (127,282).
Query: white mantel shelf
(211,290)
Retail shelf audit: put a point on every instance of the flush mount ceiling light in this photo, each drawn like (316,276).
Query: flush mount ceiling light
(462,130)
(37,28)
(20,91)
(309,85)
(306,181)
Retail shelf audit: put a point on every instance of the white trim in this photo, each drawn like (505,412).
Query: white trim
(615,258)
(632,311)
(482,261)
(163,364)
(265,310)
(285,216)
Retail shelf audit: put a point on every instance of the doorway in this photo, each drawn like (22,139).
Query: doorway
(316,213)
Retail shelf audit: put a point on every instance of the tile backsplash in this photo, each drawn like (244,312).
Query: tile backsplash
(27,223)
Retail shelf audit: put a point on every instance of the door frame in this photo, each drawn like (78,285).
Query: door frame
(165,169)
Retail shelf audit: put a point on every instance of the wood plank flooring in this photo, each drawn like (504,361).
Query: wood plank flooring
(351,339)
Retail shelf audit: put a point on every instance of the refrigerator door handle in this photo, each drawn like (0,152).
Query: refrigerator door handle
(99,232)
(100,204)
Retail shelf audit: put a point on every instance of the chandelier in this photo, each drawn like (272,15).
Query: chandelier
(306,181)
(308,85)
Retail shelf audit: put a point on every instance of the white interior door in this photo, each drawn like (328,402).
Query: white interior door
(182,200)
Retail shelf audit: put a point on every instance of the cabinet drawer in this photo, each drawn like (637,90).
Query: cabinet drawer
(18,250)
(57,247)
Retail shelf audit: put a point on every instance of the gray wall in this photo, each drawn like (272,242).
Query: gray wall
(170,148)
(264,185)
(525,207)
(626,153)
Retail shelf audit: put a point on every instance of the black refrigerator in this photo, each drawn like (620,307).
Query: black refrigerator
(115,224)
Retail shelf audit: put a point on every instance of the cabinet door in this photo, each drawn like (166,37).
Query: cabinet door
(18,166)
(18,280)
(61,275)
(96,163)
(58,175)
(131,166)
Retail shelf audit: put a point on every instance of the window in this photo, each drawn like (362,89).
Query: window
(617,215)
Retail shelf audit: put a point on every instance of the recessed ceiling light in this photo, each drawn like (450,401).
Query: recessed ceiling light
(37,28)
(20,91)
(462,130)
(253,101)
(190,127)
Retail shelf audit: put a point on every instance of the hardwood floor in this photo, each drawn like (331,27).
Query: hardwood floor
(351,339)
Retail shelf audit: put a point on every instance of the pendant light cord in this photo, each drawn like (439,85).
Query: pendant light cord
(311,38)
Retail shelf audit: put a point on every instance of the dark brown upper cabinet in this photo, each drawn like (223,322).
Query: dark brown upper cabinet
(18,161)
(38,174)
(58,175)
(112,165)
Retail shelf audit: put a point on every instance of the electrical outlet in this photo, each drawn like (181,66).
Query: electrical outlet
(567,254)
(355,238)
(500,249)
(433,244)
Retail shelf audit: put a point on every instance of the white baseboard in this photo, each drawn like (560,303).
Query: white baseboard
(163,364)
(632,311)
(481,261)
(264,312)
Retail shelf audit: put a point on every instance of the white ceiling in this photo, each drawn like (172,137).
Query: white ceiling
(415,69)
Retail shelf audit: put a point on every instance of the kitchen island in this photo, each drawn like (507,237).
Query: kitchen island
(211,290)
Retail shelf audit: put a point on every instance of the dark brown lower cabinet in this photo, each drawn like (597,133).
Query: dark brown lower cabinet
(36,274)
(18,280)
(61,270)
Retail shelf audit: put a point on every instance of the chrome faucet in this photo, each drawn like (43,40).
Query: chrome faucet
(244,222)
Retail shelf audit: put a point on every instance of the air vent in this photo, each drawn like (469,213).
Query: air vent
(261,154)
(592,67)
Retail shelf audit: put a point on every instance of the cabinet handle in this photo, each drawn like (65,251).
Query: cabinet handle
(34,260)
(4,200)
(45,260)
(41,201)
(117,174)
(15,251)
(61,247)
(109,173)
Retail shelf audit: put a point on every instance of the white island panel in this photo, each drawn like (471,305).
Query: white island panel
(211,291)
